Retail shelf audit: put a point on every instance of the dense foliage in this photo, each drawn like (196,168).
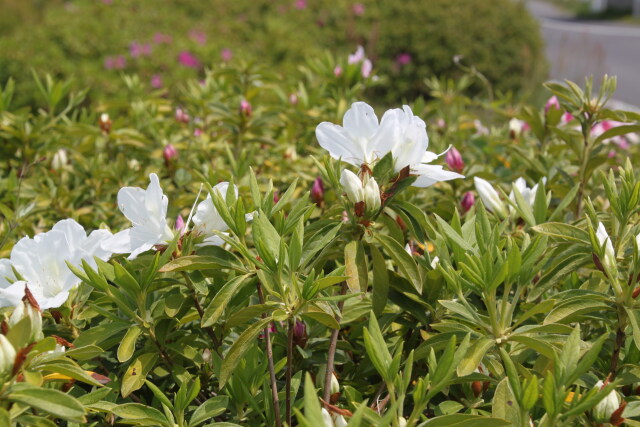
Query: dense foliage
(166,41)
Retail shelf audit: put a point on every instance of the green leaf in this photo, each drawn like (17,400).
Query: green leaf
(322,317)
(239,348)
(221,259)
(355,266)
(634,322)
(266,239)
(465,420)
(377,349)
(380,291)
(128,344)
(564,232)
(616,131)
(312,410)
(49,400)
(138,412)
(209,409)
(405,262)
(474,356)
(137,372)
(568,310)
(453,235)
(504,404)
(218,304)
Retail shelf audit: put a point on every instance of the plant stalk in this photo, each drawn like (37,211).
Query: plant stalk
(272,370)
(333,343)
(290,326)
(619,343)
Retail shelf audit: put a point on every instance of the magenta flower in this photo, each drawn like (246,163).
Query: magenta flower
(197,132)
(198,36)
(188,59)
(245,108)
(403,59)
(358,9)
(468,200)
(115,62)
(139,49)
(317,191)
(156,81)
(160,38)
(226,54)
(567,117)
(301,4)
(169,153)
(454,160)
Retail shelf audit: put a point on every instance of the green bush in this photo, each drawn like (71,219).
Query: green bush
(504,44)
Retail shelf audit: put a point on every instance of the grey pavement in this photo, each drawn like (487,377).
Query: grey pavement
(578,48)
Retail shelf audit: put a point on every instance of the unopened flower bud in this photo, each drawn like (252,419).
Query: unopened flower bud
(352,186)
(300,336)
(606,407)
(468,200)
(372,196)
(490,197)
(609,260)
(454,160)
(245,108)
(59,159)
(552,103)
(317,191)
(169,153)
(402,422)
(7,355)
(337,71)
(335,385)
(180,225)
(293,99)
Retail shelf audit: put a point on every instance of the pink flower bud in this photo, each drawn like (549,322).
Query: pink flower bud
(301,4)
(293,99)
(188,59)
(337,71)
(454,160)
(156,81)
(403,59)
(245,108)
(300,336)
(468,200)
(170,153)
(197,132)
(276,197)
(182,116)
(180,224)
(366,69)
(358,9)
(552,103)
(226,54)
(317,191)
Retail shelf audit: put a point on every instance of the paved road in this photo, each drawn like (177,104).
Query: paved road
(580,48)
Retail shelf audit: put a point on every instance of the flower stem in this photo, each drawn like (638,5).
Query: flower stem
(333,343)
(620,338)
(209,330)
(290,326)
(272,370)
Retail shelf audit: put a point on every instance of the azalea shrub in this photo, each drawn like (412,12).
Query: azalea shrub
(260,250)
(166,42)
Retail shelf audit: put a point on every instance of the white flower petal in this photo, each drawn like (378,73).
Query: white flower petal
(430,174)
(360,120)
(337,141)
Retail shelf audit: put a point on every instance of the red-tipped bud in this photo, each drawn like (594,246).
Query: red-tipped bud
(245,108)
(468,200)
(454,160)
(317,191)
(169,153)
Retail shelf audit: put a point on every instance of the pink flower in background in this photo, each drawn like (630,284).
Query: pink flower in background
(366,69)
(301,4)
(317,191)
(160,38)
(139,49)
(180,225)
(454,160)
(403,59)
(293,99)
(198,36)
(188,59)
(182,116)
(337,71)
(622,141)
(115,62)
(567,117)
(197,132)
(245,108)
(226,54)
(107,1)
(169,153)
(468,200)
(358,9)
(357,56)
(156,81)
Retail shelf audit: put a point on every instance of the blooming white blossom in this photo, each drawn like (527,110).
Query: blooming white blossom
(10,296)
(490,197)
(607,406)
(207,219)
(42,262)
(528,194)
(364,140)
(147,211)
(604,239)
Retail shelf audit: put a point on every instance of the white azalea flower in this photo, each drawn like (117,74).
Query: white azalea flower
(607,406)
(207,220)
(10,295)
(362,140)
(490,197)
(147,211)
(528,194)
(609,254)
(41,261)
